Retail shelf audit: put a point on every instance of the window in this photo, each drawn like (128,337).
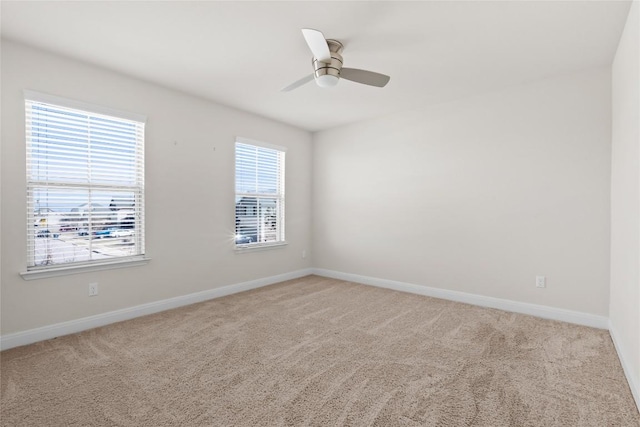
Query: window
(259,194)
(85,184)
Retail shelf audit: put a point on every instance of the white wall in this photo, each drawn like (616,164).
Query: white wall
(624,310)
(478,196)
(189,194)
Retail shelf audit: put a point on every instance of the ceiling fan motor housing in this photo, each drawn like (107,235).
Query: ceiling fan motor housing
(331,68)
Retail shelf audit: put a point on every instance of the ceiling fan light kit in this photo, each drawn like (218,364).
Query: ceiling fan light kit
(327,80)
(327,73)
(327,65)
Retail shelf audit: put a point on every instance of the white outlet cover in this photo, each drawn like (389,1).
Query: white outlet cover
(93,289)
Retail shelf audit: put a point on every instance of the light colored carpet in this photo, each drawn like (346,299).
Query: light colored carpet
(321,352)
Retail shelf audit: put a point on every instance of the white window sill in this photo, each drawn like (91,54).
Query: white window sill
(65,270)
(259,247)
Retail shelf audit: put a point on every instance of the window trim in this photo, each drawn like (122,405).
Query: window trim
(248,141)
(32,95)
(258,246)
(63,269)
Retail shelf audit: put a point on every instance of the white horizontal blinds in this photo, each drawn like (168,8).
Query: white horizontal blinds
(259,194)
(85,185)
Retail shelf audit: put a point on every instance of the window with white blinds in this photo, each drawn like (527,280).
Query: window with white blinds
(85,186)
(259,194)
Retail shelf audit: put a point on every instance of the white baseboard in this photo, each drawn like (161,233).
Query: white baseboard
(543,311)
(73,326)
(634,383)
(65,328)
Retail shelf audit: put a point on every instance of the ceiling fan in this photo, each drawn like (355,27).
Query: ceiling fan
(327,64)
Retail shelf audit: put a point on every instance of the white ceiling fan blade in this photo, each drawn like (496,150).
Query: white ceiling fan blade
(318,44)
(292,86)
(365,77)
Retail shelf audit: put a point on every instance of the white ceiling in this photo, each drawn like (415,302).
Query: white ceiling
(242,53)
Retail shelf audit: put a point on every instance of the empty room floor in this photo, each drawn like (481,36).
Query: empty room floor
(323,352)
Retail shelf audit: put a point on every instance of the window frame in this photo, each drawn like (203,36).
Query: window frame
(34,271)
(280,196)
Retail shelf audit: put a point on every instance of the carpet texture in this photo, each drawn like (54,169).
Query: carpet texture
(321,352)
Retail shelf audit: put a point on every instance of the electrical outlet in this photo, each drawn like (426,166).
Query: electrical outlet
(93,289)
(304,253)
(541,282)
